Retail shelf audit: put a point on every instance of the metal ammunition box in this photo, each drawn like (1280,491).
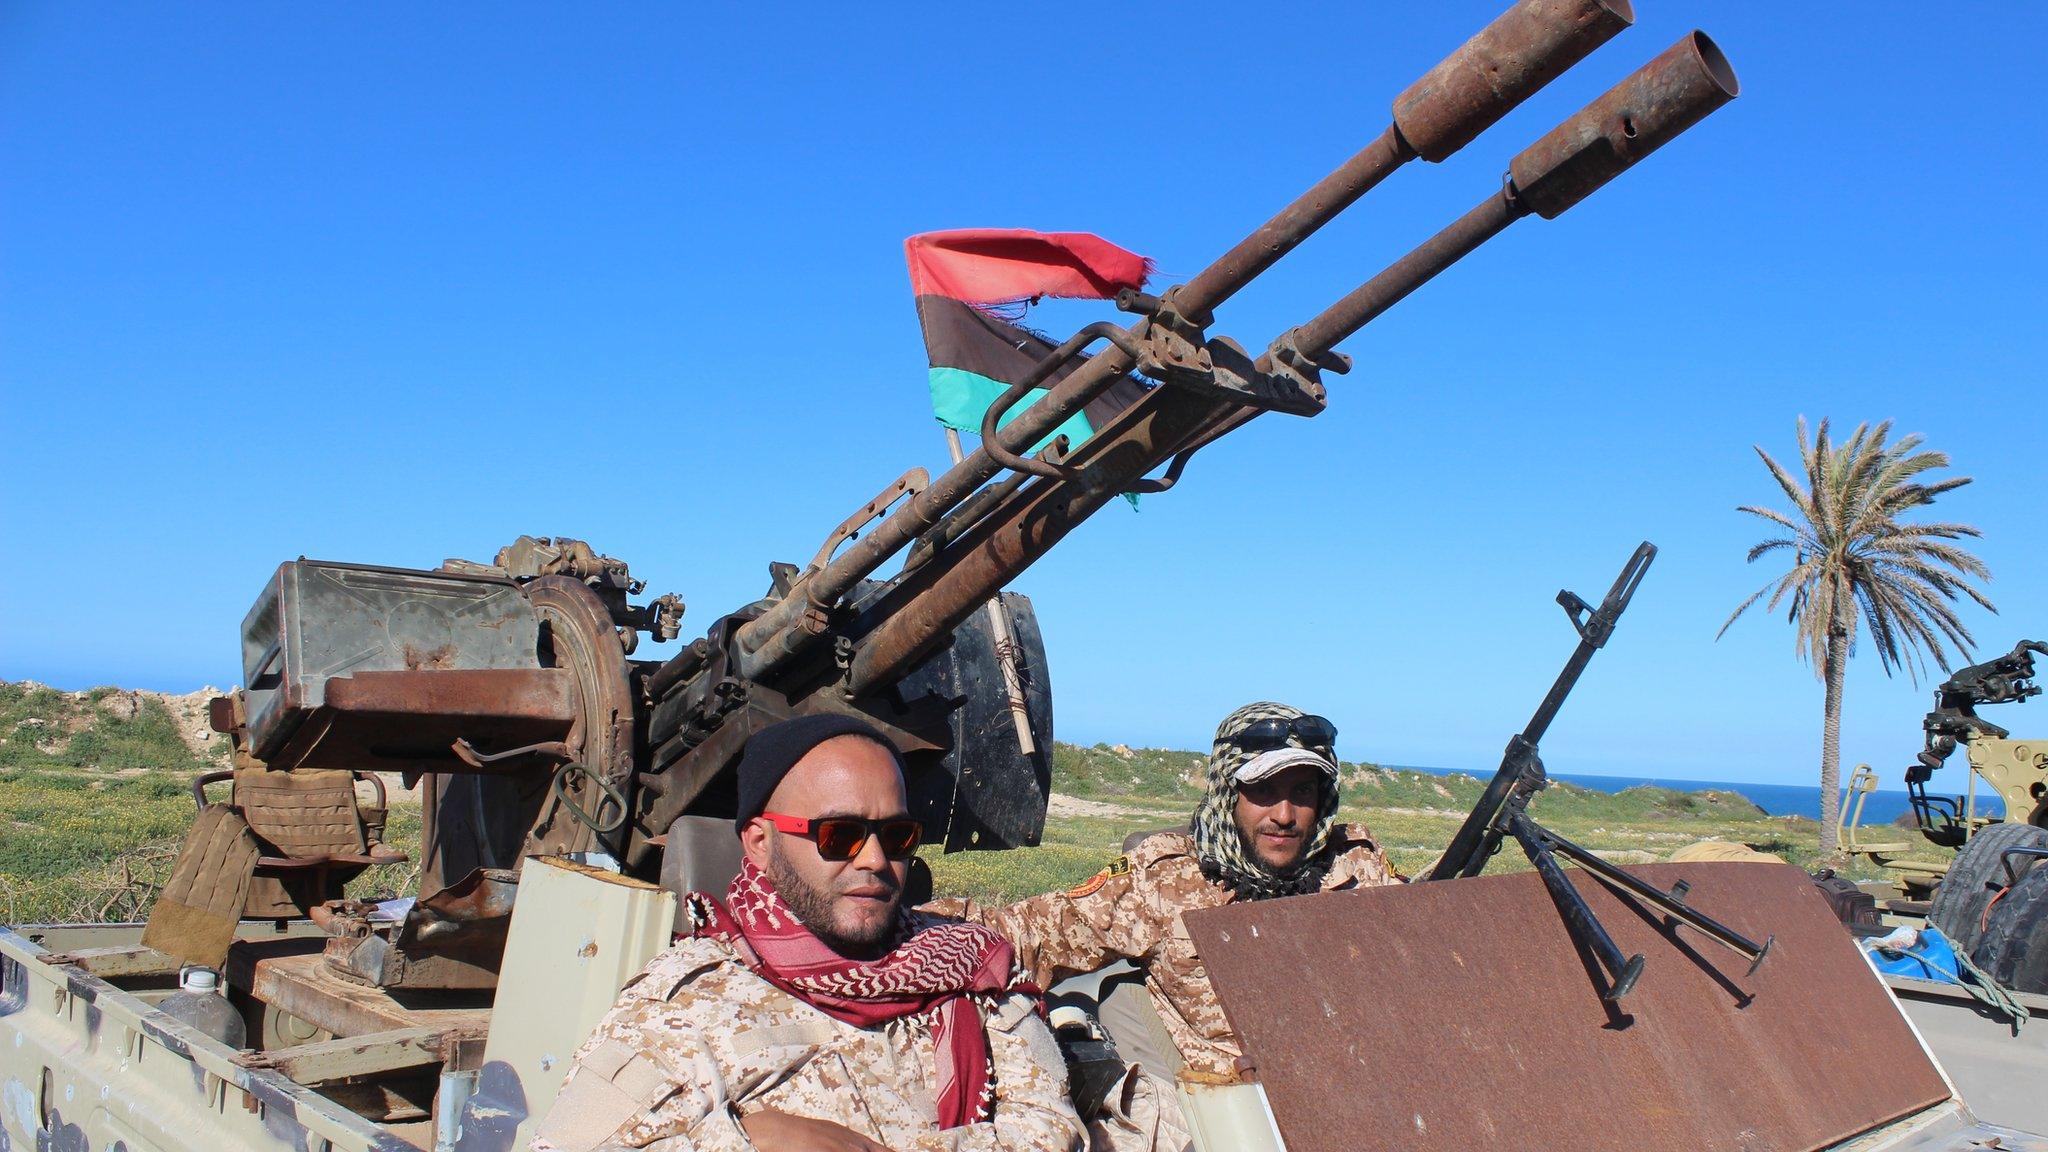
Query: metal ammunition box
(393,664)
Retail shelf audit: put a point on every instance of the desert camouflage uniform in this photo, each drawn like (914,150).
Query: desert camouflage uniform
(697,1040)
(1131,911)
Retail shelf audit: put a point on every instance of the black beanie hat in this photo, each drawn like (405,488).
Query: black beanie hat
(774,750)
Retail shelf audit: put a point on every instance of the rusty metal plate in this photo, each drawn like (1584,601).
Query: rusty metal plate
(1459,1015)
(410,721)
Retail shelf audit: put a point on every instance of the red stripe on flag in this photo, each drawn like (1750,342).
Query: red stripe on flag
(998,265)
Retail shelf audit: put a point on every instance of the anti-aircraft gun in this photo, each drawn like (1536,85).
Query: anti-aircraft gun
(2018,776)
(1991,898)
(510,687)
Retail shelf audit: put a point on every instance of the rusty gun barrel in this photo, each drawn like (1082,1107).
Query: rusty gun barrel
(1505,63)
(1468,91)
(1636,117)
(1525,48)
(1654,104)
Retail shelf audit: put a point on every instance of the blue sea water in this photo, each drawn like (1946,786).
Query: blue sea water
(1882,807)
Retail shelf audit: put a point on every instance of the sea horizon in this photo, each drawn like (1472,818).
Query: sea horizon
(1882,807)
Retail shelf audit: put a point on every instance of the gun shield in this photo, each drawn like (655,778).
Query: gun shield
(1524,48)
(1636,117)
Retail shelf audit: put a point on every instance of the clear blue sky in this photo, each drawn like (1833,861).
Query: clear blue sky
(395,284)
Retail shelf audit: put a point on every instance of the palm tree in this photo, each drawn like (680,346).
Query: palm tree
(1854,560)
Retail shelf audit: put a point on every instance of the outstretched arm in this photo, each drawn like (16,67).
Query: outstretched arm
(1062,934)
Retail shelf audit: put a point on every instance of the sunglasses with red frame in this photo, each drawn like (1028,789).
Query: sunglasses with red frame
(841,838)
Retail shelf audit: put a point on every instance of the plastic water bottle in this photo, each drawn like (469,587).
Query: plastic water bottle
(198,1002)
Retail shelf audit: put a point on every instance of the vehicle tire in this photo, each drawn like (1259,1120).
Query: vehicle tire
(1975,877)
(2014,950)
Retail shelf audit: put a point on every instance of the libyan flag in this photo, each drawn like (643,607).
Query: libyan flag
(962,276)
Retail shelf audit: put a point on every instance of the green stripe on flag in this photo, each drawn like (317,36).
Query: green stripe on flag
(960,397)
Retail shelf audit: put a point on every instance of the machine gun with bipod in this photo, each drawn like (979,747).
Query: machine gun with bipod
(1503,811)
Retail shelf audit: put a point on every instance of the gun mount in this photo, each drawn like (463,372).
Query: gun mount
(510,686)
(2007,679)
(2014,770)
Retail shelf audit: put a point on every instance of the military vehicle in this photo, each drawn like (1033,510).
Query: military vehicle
(1990,899)
(570,790)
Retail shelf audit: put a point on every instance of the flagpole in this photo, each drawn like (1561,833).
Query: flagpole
(1006,648)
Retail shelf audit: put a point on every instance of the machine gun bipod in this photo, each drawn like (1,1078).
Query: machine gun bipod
(1503,810)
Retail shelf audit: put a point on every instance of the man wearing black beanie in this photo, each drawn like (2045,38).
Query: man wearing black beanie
(807,1009)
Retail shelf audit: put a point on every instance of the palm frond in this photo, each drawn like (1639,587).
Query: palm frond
(1857,566)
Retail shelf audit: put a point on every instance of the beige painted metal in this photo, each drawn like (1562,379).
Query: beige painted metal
(120,961)
(2016,769)
(578,934)
(87,1066)
(353,1056)
(1999,1069)
(1884,853)
(1229,1117)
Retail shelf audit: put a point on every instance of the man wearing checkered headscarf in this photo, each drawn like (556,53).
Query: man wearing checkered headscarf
(1221,841)
(1266,826)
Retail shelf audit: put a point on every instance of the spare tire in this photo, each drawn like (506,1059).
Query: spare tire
(1975,877)
(2014,950)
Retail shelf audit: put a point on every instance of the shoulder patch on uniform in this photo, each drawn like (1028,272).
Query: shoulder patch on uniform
(1090,886)
(1117,867)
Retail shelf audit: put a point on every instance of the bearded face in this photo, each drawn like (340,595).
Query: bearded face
(853,910)
(1276,815)
(850,904)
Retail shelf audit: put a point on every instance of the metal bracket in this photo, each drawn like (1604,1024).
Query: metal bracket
(1173,349)
(993,417)
(1289,358)
(909,484)
(1171,345)
(608,794)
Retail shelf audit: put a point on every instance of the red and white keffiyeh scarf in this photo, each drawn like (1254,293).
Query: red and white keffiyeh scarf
(938,968)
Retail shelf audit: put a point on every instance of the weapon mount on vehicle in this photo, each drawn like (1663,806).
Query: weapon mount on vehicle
(510,687)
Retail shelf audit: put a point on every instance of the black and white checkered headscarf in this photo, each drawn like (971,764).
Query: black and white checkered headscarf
(1220,845)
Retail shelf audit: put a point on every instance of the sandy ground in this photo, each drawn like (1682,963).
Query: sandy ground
(1060,806)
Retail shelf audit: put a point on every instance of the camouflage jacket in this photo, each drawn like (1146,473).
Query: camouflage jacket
(1131,911)
(697,1040)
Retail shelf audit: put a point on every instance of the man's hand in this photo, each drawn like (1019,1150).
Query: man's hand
(773,1131)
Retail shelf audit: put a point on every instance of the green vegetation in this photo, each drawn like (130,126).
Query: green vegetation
(102,732)
(1118,791)
(95,798)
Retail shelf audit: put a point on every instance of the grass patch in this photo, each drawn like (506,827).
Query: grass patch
(1412,814)
(94,802)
